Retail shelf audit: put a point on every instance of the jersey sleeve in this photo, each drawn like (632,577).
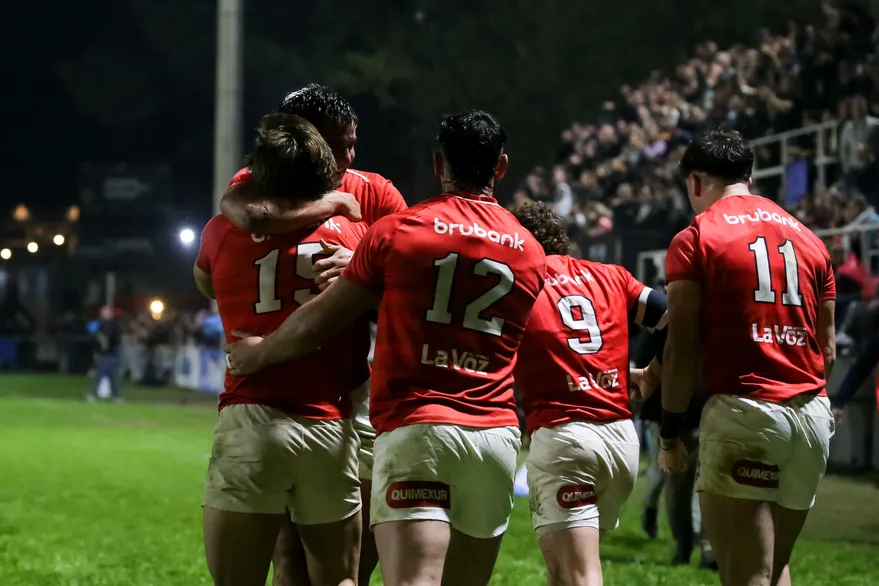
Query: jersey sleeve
(368,264)
(683,260)
(391,199)
(211,240)
(242,176)
(353,234)
(828,290)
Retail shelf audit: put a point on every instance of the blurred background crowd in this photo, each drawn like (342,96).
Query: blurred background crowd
(618,172)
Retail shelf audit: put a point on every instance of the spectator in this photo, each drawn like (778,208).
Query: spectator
(108,338)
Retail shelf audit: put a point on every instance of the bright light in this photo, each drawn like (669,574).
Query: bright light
(187,236)
(5,254)
(58,239)
(157,307)
(32,247)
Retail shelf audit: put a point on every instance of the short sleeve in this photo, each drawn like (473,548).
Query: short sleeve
(368,264)
(242,176)
(828,291)
(632,287)
(391,200)
(211,240)
(683,260)
(353,234)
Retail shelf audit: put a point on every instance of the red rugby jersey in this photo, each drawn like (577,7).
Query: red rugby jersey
(376,195)
(259,281)
(764,275)
(573,362)
(458,275)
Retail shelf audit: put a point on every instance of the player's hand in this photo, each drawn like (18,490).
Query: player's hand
(244,356)
(329,269)
(643,382)
(673,456)
(345,205)
(838,415)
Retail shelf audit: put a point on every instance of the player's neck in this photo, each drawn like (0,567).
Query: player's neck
(735,189)
(450,187)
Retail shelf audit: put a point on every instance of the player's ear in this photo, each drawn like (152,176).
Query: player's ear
(438,164)
(502,166)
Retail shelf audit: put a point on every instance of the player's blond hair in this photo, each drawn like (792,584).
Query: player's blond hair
(290,159)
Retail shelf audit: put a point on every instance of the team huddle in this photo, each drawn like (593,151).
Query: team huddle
(323,466)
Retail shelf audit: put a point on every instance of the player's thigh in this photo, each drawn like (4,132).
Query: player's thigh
(580,474)
(413,551)
(408,482)
(572,556)
(470,561)
(332,550)
(810,449)
(480,465)
(741,533)
(289,566)
(742,444)
(251,465)
(326,487)
(238,546)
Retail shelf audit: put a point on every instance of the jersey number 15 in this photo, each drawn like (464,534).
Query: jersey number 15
(267,278)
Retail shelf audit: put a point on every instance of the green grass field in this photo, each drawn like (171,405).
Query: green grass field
(109,495)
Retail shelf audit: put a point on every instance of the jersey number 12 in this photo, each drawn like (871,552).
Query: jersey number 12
(764,293)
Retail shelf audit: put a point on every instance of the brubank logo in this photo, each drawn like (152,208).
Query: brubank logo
(762,215)
(474,229)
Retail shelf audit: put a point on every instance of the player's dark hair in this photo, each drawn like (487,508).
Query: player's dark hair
(546,226)
(319,105)
(719,153)
(290,159)
(472,143)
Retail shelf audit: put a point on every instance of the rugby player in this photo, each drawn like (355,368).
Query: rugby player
(456,277)
(752,289)
(573,374)
(284,440)
(373,198)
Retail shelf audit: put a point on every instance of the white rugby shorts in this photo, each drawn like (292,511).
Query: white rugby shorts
(763,451)
(581,473)
(460,475)
(265,461)
(365,431)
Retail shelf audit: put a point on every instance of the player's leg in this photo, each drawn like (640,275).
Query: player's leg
(246,492)
(580,475)
(679,500)
(482,463)
(412,553)
(799,478)
(325,502)
(655,483)
(742,442)
(368,550)
(288,562)
(742,534)
(366,435)
(238,546)
(411,500)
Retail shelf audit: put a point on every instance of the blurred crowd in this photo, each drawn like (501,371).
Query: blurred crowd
(619,173)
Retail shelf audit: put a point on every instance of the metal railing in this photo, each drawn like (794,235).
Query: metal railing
(826,150)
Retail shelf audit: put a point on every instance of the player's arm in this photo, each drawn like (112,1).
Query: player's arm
(826,334)
(203,282)
(681,358)
(650,310)
(315,323)
(251,213)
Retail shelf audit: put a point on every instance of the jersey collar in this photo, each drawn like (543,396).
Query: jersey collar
(471,196)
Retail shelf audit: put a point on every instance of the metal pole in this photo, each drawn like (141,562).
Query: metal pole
(227,110)
(110,290)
